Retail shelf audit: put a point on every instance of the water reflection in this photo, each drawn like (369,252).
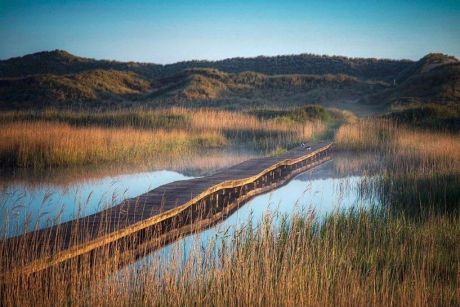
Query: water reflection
(329,187)
(29,207)
(192,165)
(319,192)
(31,199)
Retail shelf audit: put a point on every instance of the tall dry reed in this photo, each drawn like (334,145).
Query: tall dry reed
(354,258)
(38,144)
(420,168)
(52,138)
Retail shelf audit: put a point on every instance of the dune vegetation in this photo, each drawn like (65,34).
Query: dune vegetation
(61,80)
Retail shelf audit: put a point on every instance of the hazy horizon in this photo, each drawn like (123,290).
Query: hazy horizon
(165,32)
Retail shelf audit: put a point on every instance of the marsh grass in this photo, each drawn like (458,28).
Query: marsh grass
(52,138)
(420,168)
(404,253)
(350,258)
(41,144)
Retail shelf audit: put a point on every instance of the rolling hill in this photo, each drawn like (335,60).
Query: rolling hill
(58,78)
(433,79)
(61,62)
(211,87)
(436,79)
(93,86)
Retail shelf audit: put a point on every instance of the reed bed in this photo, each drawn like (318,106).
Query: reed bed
(387,136)
(39,144)
(420,169)
(52,138)
(404,253)
(350,258)
(170,118)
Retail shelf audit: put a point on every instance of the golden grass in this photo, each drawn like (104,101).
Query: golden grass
(225,120)
(439,150)
(356,258)
(377,257)
(53,138)
(433,145)
(365,134)
(170,118)
(37,144)
(420,168)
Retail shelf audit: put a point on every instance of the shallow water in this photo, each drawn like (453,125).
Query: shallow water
(37,199)
(30,207)
(318,192)
(41,203)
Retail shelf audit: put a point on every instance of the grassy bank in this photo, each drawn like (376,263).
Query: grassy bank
(178,118)
(52,138)
(388,136)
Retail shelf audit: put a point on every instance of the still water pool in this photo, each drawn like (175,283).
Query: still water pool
(24,206)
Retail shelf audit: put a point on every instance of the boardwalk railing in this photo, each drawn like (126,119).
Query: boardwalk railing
(158,216)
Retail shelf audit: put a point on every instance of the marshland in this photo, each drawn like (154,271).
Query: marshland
(379,223)
(229,153)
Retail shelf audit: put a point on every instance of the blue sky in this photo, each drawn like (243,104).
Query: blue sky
(170,31)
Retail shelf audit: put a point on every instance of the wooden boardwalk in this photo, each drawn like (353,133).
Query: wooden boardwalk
(177,205)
